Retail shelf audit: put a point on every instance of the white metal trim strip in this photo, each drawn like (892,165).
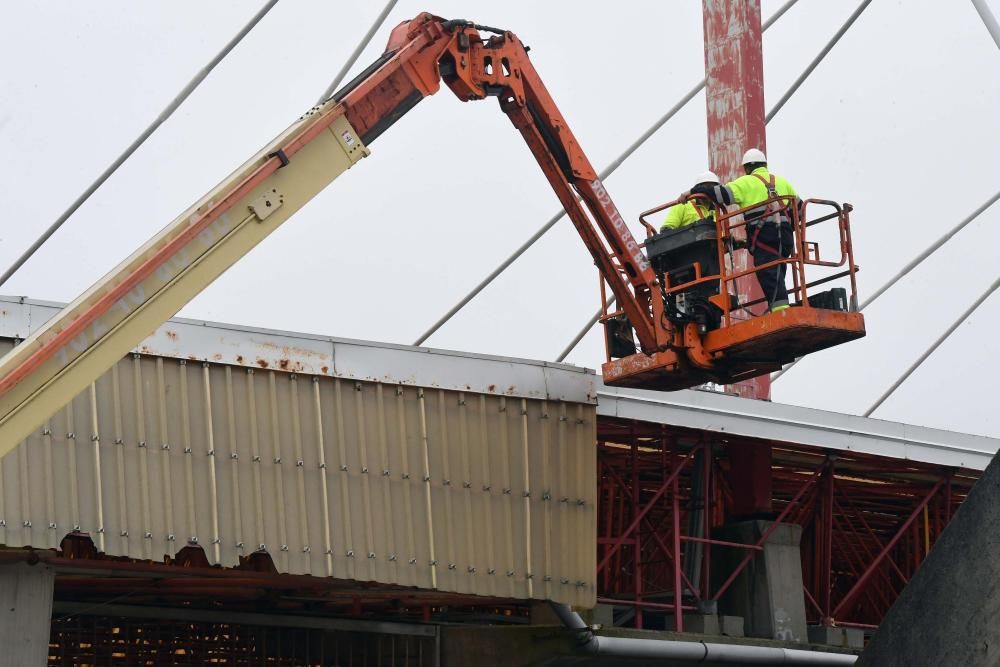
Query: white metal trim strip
(253,347)
(720,413)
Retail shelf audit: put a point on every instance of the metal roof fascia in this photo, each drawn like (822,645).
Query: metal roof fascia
(254,347)
(463,371)
(774,421)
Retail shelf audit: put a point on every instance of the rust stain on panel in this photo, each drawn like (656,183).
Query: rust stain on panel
(293,351)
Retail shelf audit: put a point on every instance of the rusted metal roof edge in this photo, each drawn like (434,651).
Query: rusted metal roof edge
(720,413)
(309,354)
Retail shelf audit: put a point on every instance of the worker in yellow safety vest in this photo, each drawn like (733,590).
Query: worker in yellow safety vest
(769,228)
(691,211)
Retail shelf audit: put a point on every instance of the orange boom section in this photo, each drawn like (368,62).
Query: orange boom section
(672,326)
(650,341)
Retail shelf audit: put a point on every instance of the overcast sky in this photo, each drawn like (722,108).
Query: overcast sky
(902,119)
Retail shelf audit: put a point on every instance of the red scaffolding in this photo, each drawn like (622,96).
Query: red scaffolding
(663,494)
(867,522)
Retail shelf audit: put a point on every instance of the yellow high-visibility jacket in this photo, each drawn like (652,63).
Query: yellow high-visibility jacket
(749,190)
(685,214)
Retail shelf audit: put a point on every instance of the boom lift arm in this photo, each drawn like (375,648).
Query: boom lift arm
(429,50)
(70,351)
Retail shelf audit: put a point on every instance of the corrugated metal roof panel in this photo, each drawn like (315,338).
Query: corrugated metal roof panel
(468,491)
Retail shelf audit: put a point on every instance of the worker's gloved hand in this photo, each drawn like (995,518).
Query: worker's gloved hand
(682,197)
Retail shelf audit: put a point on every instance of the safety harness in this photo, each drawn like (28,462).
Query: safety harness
(773,208)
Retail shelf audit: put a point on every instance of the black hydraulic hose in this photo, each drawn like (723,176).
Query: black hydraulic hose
(451,24)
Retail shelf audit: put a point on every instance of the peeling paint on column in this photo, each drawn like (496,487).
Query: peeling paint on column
(734,97)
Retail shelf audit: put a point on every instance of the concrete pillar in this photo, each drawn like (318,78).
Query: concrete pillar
(842,637)
(947,614)
(768,593)
(25,614)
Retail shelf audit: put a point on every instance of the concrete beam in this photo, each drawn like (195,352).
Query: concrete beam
(768,593)
(25,614)
(947,614)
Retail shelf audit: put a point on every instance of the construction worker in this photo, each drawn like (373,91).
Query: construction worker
(691,211)
(769,230)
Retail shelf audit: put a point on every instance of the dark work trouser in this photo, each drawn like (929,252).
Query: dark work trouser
(770,245)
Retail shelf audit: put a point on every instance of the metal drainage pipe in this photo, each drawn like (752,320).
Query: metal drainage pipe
(694,651)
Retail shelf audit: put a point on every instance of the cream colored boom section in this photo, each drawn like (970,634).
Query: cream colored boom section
(92,333)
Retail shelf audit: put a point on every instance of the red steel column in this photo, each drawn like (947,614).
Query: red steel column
(678,565)
(734,95)
(636,500)
(827,556)
(750,478)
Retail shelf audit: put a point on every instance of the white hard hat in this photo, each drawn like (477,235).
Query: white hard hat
(707,177)
(754,155)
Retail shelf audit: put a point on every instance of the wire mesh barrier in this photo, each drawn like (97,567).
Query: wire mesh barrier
(112,640)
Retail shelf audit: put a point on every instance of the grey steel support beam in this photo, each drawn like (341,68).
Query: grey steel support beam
(139,141)
(988,19)
(933,347)
(818,59)
(994,29)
